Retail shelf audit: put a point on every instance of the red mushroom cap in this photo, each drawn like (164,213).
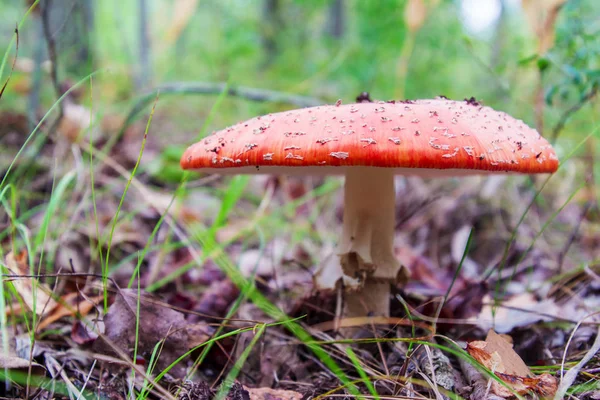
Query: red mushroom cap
(431,134)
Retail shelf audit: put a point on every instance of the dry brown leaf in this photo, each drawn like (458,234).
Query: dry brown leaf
(83,334)
(497,355)
(9,360)
(477,350)
(215,300)
(66,307)
(513,364)
(273,394)
(39,299)
(14,363)
(157,322)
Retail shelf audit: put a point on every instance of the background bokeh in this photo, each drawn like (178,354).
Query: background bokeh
(532,58)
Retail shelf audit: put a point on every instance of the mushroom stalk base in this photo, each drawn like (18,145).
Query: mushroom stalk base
(367,257)
(371,299)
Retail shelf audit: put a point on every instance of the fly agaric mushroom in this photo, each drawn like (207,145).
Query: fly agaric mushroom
(369,143)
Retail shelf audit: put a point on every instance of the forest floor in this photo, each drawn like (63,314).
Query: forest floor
(120,283)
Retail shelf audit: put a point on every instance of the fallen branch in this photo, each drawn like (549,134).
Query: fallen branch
(215,88)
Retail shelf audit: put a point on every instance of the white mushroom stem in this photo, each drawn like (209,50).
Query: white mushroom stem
(367,257)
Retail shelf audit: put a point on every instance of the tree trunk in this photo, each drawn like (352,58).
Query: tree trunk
(336,20)
(145,70)
(272,27)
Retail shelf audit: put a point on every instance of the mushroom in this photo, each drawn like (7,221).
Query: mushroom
(369,143)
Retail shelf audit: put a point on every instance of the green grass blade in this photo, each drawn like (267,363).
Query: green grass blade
(105,268)
(274,312)
(361,372)
(237,367)
(14,38)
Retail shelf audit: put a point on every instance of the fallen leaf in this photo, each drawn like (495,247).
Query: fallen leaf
(14,363)
(522,310)
(36,296)
(497,355)
(83,334)
(157,322)
(9,360)
(215,300)
(513,364)
(67,307)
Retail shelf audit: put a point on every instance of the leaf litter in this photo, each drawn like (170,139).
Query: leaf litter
(140,321)
(497,355)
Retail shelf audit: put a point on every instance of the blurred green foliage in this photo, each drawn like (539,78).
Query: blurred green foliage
(225,41)
(574,62)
